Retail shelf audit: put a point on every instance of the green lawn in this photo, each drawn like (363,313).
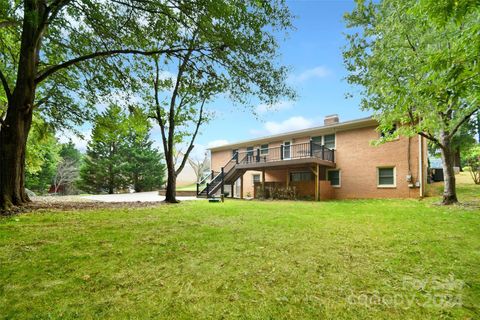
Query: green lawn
(191,187)
(376,259)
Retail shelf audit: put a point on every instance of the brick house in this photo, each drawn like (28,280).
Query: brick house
(333,161)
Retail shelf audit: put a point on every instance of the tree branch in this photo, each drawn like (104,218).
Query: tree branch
(431,138)
(158,110)
(6,88)
(51,70)
(190,147)
(9,23)
(464,119)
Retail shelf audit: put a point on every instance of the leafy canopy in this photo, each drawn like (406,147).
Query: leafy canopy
(416,62)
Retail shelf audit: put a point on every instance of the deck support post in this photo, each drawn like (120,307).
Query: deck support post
(222,191)
(241,186)
(317,177)
(263,182)
(288,178)
(232,186)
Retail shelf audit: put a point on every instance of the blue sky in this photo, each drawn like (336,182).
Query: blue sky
(314,52)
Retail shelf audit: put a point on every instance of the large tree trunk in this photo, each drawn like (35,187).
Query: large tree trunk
(14,132)
(171,192)
(449,191)
(13,141)
(457,159)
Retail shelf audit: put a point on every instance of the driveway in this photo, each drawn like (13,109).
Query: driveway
(133,197)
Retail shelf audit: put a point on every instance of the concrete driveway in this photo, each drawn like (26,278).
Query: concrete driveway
(133,197)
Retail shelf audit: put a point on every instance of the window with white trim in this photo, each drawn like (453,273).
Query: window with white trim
(334,177)
(255,178)
(386,177)
(264,149)
(329,141)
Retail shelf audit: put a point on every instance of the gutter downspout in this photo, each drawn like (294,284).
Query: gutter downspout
(420,164)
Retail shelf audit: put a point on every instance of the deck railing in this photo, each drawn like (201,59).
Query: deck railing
(286,152)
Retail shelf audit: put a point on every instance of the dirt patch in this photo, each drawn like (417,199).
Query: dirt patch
(42,204)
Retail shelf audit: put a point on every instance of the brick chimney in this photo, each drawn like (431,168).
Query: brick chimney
(331,119)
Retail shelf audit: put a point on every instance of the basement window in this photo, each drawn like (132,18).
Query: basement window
(301,176)
(386,177)
(334,177)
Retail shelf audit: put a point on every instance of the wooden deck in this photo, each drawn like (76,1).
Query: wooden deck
(286,163)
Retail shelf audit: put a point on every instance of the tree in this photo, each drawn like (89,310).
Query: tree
(199,165)
(68,151)
(42,157)
(463,139)
(231,48)
(417,63)
(472,160)
(104,162)
(144,163)
(65,175)
(120,154)
(59,56)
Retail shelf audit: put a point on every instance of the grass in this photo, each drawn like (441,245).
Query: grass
(375,259)
(191,187)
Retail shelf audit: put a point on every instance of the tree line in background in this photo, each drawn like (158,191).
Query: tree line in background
(120,157)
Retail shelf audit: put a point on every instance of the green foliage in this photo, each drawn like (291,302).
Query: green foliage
(417,63)
(104,162)
(120,154)
(68,151)
(472,160)
(240,34)
(42,157)
(144,166)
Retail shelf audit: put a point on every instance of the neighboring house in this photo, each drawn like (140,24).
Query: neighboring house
(187,176)
(334,161)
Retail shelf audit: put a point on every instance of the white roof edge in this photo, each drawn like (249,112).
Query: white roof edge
(359,121)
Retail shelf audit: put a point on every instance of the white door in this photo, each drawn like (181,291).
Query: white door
(236,188)
(286,149)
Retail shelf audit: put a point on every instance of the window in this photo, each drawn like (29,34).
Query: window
(250,151)
(334,177)
(264,149)
(329,141)
(234,153)
(255,178)
(386,177)
(317,140)
(301,176)
(390,132)
(286,149)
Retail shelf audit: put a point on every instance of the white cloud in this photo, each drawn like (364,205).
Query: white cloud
(291,124)
(281,105)
(217,143)
(317,72)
